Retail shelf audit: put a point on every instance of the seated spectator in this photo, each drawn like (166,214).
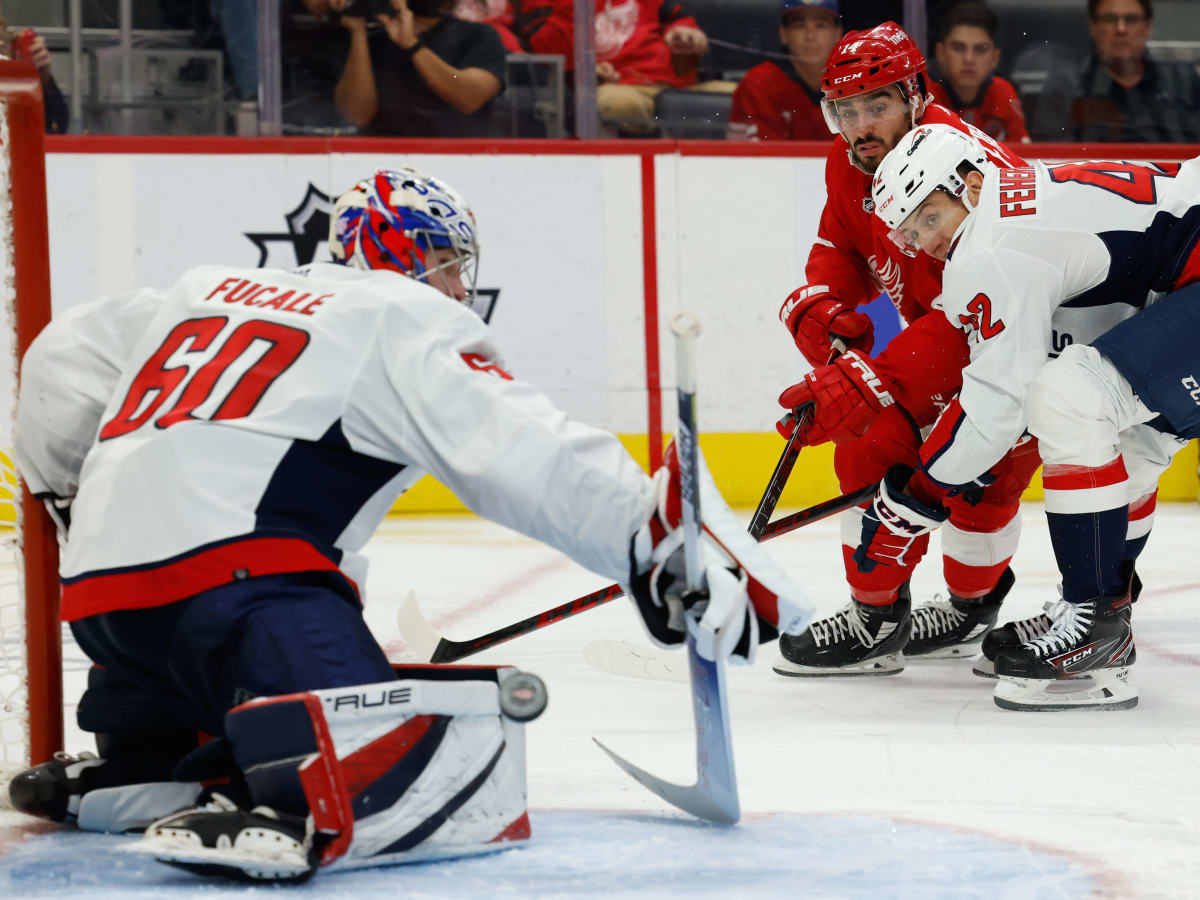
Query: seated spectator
(28,46)
(967,55)
(781,100)
(642,48)
(1118,93)
(423,73)
(497,13)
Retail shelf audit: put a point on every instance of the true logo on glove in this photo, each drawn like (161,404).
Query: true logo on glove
(870,379)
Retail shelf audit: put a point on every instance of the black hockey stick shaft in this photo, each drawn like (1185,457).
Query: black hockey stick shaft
(787,461)
(818,512)
(783,469)
(451,651)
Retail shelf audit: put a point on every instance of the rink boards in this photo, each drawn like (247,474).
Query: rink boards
(590,253)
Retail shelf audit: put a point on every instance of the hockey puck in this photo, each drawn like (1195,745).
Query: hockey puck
(523,697)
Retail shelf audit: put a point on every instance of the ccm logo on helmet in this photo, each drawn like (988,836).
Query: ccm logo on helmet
(845,78)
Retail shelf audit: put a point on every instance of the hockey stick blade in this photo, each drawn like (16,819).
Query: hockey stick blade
(714,796)
(632,661)
(422,640)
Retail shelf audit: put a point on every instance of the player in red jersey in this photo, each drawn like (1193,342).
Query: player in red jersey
(967,55)
(781,100)
(874,409)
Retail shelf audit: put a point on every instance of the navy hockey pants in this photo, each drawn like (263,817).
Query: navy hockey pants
(276,634)
(1158,352)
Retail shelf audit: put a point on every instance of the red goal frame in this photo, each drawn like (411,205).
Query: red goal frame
(21,92)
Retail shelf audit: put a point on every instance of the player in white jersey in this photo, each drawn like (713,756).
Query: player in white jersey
(219,452)
(1077,286)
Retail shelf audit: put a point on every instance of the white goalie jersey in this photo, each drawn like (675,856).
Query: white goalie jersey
(1052,255)
(249,422)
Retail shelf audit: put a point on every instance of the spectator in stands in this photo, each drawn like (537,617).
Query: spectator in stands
(642,48)
(967,55)
(424,73)
(497,13)
(1118,93)
(28,46)
(781,100)
(239,28)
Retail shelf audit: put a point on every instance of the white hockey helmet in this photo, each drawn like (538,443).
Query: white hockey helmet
(925,159)
(399,219)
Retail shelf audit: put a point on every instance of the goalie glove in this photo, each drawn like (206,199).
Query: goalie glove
(814,318)
(744,598)
(896,526)
(846,397)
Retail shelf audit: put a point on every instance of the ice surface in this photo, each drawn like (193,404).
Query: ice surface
(915,785)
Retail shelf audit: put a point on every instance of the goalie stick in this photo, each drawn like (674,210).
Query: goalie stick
(714,796)
(430,646)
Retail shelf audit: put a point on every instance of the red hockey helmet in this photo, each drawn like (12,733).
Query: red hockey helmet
(865,61)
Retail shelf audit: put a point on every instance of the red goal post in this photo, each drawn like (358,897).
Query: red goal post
(32,646)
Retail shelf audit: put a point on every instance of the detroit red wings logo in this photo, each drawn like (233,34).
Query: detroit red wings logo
(889,279)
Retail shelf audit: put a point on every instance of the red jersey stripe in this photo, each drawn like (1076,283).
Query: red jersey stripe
(178,579)
(1079,478)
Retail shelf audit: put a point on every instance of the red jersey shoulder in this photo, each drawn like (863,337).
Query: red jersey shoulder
(843,179)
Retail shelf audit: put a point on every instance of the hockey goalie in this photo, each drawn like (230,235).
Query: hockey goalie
(217,454)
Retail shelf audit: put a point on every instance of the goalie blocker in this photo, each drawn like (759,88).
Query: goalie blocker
(426,767)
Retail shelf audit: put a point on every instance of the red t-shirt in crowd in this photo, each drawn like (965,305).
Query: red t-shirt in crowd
(629,35)
(996,110)
(772,104)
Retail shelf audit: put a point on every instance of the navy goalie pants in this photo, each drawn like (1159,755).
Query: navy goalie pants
(197,658)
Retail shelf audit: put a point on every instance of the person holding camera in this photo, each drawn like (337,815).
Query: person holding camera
(416,71)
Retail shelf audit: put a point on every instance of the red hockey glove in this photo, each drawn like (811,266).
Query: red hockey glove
(814,317)
(846,397)
(896,526)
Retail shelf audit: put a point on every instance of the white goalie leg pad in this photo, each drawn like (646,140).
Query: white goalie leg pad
(1101,689)
(425,767)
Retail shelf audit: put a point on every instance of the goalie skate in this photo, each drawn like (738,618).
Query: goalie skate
(52,790)
(221,839)
(1082,662)
(856,640)
(955,628)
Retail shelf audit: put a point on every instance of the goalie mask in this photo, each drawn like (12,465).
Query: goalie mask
(927,158)
(403,220)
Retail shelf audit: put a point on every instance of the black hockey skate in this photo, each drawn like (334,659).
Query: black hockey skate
(1011,635)
(856,640)
(1082,662)
(954,628)
(53,789)
(223,840)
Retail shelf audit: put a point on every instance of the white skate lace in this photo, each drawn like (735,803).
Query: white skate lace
(1071,622)
(842,624)
(1034,627)
(937,618)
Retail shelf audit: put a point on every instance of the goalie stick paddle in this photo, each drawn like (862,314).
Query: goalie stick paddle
(430,646)
(714,796)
